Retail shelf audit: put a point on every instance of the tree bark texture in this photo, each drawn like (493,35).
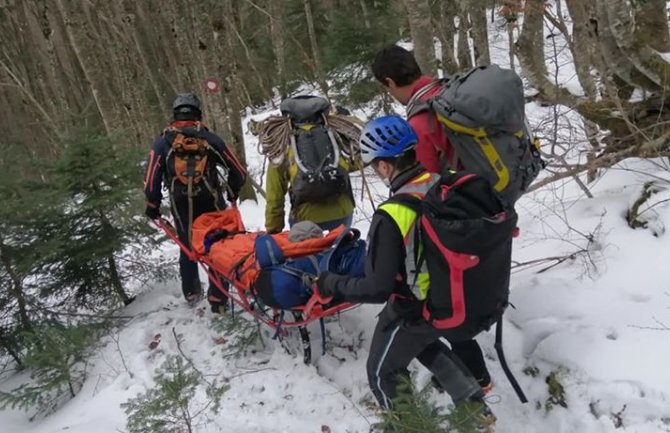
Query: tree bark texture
(444,15)
(477,12)
(278,42)
(314,46)
(583,42)
(463,46)
(421,29)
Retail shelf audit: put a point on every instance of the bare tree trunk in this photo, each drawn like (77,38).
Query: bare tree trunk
(116,281)
(512,45)
(583,41)
(278,43)
(134,27)
(530,49)
(622,45)
(446,28)
(421,28)
(509,11)
(651,24)
(591,130)
(477,11)
(366,14)
(318,72)
(81,39)
(233,101)
(464,56)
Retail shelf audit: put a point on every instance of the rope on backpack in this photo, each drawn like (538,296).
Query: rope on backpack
(274,136)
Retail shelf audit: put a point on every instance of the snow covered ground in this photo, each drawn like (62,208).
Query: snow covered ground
(599,321)
(592,300)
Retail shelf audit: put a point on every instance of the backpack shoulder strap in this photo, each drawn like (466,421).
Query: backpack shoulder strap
(408,200)
(417,104)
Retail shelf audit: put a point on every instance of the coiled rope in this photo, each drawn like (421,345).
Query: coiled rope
(274,136)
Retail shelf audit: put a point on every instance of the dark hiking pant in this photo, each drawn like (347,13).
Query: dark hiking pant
(471,354)
(396,343)
(467,351)
(188,270)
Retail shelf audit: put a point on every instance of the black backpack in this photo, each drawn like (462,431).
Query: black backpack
(465,236)
(315,171)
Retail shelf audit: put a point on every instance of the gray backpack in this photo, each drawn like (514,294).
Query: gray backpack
(315,173)
(482,112)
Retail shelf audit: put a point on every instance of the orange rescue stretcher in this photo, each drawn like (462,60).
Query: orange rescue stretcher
(226,251)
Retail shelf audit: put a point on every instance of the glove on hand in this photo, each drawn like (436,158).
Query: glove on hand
(152,212)
(322,289)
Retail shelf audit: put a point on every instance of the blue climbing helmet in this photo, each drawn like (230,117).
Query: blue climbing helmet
(386,137)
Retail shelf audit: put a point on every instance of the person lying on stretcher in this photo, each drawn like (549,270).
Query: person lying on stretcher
(277,268)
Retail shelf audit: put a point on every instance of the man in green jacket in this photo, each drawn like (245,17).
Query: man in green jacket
(327,215)
(334,207)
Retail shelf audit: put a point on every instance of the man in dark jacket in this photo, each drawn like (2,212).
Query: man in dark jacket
(401,334)
(196,180)
(397,70)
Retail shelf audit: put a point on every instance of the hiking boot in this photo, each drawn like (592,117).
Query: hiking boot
(218,304)
(193,299)
(219,309)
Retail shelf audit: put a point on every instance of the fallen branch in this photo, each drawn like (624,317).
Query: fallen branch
(189,360)
(557,259)
(662,326)
(604,161)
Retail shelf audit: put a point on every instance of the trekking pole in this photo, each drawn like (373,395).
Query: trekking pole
(366,189)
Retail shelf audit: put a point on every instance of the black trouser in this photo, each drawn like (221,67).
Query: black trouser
(188,270)
(396,342)
(467,351)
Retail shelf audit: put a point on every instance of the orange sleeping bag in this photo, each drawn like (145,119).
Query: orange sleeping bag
(234,256)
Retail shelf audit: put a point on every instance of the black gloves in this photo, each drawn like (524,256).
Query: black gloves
(153,212)
(320,286)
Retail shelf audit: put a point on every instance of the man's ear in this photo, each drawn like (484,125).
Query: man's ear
(389,83)
(383,167)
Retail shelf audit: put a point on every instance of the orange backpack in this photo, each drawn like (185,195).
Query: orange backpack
(190,157)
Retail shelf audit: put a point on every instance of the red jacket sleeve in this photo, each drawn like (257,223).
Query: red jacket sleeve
(427,148)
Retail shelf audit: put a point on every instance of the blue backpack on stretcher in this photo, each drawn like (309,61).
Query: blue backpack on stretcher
(286,283)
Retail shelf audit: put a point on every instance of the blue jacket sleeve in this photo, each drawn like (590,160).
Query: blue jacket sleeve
(153,177)
(237,175)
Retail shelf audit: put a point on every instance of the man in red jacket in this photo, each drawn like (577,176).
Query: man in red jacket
(397,70)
